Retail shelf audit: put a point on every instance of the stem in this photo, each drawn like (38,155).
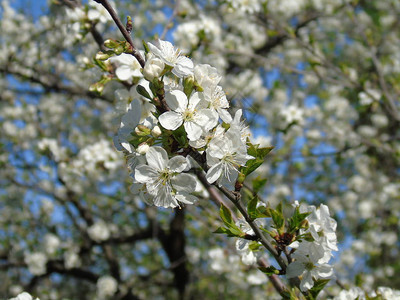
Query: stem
(123,30)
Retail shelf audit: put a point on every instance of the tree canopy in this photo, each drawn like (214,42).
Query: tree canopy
(304,107)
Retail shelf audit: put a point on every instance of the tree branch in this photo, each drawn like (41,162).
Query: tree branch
(123,30)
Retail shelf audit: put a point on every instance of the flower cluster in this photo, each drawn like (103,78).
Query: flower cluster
(180,107)
(310,260)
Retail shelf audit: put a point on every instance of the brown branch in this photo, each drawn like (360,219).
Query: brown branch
(52,85)
(169,22)
(174,245)
(123,30)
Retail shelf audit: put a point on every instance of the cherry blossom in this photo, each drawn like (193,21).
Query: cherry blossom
(164,179)
(192,113)
(182,66)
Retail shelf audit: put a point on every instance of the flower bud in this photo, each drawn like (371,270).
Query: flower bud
(142,130)
(142,148)
(156,131)
(153,68)
(102,56)
(111,43)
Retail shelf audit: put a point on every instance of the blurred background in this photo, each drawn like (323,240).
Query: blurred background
(317,79)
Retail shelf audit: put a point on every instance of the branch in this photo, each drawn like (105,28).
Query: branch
(53,85)
(123,30)
(169,22)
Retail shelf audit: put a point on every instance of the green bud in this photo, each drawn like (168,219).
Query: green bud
(110,43)
(142,130)
(188,85)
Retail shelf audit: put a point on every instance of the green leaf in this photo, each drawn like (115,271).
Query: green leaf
(252,207)
(262,152)
(272,234)
(231,232)
(271,270)
(265,211)
(317,288)
(251,166)
(278,219)
(145,47)
(142,91)
(254,246)
(296,221)
(225,214)
(231,229)
(258,154)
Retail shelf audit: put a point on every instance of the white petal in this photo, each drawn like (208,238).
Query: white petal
(225,115)
(207,118)
(183,67)
(157,158)
(186,198)
(195,100)
(154,48)
(242,245)
(184,183)
(132,117)
(193,130)
(295,269)
(124,72)
(177,164)
(176,100)
(248,258)
(306,282)
(165,199)
(324,271)
(170,120)
(214,173)
(145,174)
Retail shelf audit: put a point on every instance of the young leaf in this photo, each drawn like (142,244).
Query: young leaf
(271,270)
(225,214)
(252,207)
(317,288)
(254,246)
(278,219)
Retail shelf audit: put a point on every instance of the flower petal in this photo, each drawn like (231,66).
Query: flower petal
(186,198)
(184,183)
(124,72)
(164,198)
(177,164)
(170,120)
(145,174)
(214,173)
(193,130)
(176,100)
(207,118)
(157,158)
(183,67)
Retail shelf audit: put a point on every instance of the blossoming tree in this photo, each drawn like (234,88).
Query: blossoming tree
(223,165)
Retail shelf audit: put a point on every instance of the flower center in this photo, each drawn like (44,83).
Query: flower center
(188,115)
(164,177)
(309,266)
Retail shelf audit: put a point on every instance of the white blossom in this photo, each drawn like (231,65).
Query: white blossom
(225,154)
(24,296)
(36,262)
(128,67)
(99,231)
(153,68)
(193,114)
(164,179)
(106,286)
(182,66)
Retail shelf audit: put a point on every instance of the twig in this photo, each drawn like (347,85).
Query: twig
(123,30)
(174,13)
